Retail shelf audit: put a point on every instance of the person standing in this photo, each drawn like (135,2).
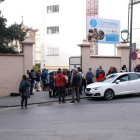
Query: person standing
(89,76)
(114,70)
(110,70)
(99,74)
(60,81)
(37,80)
(43,78)
(51,85)
(75,83)
(31,78)
(24,90)
(66,87)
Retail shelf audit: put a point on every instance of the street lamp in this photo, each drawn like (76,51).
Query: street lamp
(132,2)
(124,35)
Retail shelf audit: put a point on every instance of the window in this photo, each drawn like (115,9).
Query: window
(92,13)
(88,5)
(133,76)
(37,56)
(53,9)
(95,12)
(92,1)
(53,30)
(123,78)
(53,51)
(92,5)
(96,4)
(88,13)
(88,1)
(38,52)
(88,9)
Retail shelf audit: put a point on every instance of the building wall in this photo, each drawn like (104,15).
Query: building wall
(94,61)
(38,46)
(106,62)
(13,67)
(11,73)
(71,20)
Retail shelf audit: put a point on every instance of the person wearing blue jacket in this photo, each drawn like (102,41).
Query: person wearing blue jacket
(114,70)
(99,74)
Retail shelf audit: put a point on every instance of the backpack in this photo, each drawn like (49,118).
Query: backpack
(43,75)
(22,87)
(89,77)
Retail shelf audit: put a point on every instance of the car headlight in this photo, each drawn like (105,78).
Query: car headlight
(96,88)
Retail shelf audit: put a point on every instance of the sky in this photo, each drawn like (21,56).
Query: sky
(32,12)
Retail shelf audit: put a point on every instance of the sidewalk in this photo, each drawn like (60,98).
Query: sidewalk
(37,98)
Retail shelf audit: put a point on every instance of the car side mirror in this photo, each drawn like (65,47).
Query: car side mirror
(118,81)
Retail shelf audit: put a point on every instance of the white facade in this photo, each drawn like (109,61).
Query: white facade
(71,20)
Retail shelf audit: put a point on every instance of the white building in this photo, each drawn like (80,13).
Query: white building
(64,26)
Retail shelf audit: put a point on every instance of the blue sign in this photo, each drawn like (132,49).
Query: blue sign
(93,23)
(133,55)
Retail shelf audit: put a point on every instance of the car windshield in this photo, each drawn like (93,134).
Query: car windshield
(109,78)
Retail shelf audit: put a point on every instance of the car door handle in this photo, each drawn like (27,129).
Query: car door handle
(128,83)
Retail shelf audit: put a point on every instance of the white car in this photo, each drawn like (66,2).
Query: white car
(115,84)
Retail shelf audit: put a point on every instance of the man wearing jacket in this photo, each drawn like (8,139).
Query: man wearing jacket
(89,76)
(99,74)
(75,83)
(60,82)
(31,78)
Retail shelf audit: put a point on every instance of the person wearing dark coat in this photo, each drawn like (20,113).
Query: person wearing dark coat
(25,94)
(75,83)
(31,78)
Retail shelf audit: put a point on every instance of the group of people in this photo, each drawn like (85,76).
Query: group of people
(61,83)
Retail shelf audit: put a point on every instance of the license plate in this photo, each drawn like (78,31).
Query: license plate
(87,92)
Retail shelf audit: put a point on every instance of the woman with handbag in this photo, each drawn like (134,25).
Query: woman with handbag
(24,90)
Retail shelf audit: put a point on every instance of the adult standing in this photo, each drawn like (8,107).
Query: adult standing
(51,85)
(99,74)
(60,82)
(24,90)
(37,80)
(31,78)
(75,83)
(114,70)
(43,78)
(110,70)
(89,76)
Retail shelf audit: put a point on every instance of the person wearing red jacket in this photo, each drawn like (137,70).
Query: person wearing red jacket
(60,81)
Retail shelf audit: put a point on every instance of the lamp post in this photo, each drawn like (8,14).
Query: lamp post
(124,35)
(132,2)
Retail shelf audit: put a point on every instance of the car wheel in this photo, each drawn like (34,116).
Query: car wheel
(109,94)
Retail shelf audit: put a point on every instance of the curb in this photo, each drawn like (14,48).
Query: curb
(38,103)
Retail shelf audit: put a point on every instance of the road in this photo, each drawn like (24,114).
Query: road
(91,119)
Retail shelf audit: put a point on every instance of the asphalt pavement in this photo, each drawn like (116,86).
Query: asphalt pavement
(91,119)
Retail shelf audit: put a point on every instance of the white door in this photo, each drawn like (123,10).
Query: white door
(134,82)
(124,86)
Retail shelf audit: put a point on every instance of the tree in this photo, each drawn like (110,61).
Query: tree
(35,69)
(7,35)
(2,1)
